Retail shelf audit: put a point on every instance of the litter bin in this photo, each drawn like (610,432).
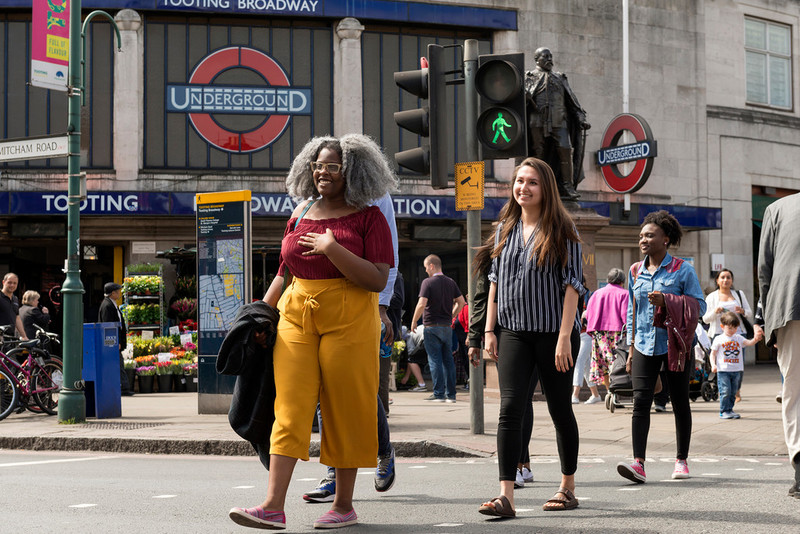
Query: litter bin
(101,370)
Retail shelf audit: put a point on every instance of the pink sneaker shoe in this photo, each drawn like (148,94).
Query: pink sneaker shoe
(633,472)
(258,518)
(331,519)
(681,470)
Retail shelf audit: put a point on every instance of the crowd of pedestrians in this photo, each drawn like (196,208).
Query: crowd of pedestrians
(341,299)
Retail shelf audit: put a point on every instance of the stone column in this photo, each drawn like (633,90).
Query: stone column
(348,110)
(128,99)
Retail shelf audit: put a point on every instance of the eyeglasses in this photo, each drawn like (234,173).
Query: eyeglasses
(332,168)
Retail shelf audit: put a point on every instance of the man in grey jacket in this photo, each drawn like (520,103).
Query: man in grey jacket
(779,281)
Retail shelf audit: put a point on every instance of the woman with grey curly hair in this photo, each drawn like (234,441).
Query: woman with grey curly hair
(335,255)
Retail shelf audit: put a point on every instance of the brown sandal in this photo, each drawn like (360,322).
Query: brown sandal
(564,499)
(498,507)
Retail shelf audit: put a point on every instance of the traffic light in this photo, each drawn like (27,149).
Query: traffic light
(502,120)
(428,121)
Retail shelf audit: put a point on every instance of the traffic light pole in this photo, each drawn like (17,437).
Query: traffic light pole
(476,423)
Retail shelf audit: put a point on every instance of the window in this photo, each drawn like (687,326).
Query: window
(768,63)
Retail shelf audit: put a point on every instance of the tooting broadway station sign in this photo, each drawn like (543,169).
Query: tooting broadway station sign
(204,99)
(612,154)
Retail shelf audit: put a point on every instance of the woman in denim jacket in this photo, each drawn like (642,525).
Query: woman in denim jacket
(648,280)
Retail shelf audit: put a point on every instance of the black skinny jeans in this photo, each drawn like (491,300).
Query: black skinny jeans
(644,371)
(520,354)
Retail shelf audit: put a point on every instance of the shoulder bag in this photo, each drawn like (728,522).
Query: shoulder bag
(747,326)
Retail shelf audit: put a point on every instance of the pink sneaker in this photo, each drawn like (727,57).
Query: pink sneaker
(681,470)
(258,518)
(331,519)
(633,472)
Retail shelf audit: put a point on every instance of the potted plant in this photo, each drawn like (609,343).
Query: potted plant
(178,380)
(164,374)
(186,286)
(129,365)
(146,376)
(190,372)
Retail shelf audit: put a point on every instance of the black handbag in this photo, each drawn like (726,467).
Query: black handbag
(747,326)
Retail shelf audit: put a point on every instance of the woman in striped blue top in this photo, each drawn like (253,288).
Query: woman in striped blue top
(535,283)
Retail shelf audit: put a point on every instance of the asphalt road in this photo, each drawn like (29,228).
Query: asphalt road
(91,492)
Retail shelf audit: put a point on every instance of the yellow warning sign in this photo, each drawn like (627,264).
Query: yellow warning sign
(469,185)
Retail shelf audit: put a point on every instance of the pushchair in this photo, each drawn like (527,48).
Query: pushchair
(704,382)
(620,389)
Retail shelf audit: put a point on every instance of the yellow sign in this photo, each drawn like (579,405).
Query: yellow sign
(57,48)
(469,185)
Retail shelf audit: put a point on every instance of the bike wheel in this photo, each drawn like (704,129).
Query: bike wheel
(47,382)
(9,395)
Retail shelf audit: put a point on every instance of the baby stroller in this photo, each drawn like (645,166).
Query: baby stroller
(704,382)
(620,389)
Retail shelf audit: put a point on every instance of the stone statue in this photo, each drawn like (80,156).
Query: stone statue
(556,123)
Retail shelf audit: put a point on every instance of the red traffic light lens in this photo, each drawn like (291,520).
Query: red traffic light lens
(498,81)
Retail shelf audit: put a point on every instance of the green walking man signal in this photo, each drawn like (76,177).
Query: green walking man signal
(499,126)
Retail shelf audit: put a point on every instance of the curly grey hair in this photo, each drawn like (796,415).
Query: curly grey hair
(366,169)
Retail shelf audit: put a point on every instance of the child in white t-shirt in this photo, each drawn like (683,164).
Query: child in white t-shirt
(727,360)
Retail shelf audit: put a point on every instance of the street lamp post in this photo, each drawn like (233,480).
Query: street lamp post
(71,402)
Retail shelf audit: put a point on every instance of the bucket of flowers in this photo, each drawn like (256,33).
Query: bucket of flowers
(190,372)
(146,374)
(164,373)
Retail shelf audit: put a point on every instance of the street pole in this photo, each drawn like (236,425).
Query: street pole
(71,401)
(473,223)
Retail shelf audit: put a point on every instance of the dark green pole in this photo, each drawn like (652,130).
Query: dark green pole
(71,401)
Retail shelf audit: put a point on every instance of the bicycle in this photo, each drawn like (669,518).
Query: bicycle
(34,378)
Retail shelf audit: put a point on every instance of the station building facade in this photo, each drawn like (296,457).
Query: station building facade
(217,95)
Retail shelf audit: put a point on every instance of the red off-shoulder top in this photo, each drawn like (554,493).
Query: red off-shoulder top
(365,233)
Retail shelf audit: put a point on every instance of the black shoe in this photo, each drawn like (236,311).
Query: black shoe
(403,387)
(794,491)
(127,393)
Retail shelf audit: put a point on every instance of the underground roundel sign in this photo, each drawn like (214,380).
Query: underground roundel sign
(208,102)
(642,152)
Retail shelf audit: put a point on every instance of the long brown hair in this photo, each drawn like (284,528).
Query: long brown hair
(555,224)
(483,256)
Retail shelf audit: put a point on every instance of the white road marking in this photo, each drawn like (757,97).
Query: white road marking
(710,474)
(449,525)
(521,510)
(251,487)
(773,463)
(630,489)
(85,505)
(300,480)
(744,468)
(418,467)
(63,460)
(163,496)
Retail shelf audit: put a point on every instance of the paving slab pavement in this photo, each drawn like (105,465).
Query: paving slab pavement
(168,423)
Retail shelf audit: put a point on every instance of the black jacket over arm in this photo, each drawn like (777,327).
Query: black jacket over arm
(252,410)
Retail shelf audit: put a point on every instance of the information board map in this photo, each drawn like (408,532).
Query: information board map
(220,269)
(221,293)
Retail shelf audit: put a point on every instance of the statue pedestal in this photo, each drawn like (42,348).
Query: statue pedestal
(588,223)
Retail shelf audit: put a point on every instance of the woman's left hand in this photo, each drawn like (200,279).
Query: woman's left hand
(656,298)
(318,243)
(563,354)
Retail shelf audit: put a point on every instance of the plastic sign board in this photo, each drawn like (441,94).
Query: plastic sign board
(642,152)
(223,264)
(34,148)
(50,44)
(469,185)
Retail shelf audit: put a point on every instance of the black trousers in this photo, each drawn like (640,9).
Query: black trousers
(644,371)
(522,353)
